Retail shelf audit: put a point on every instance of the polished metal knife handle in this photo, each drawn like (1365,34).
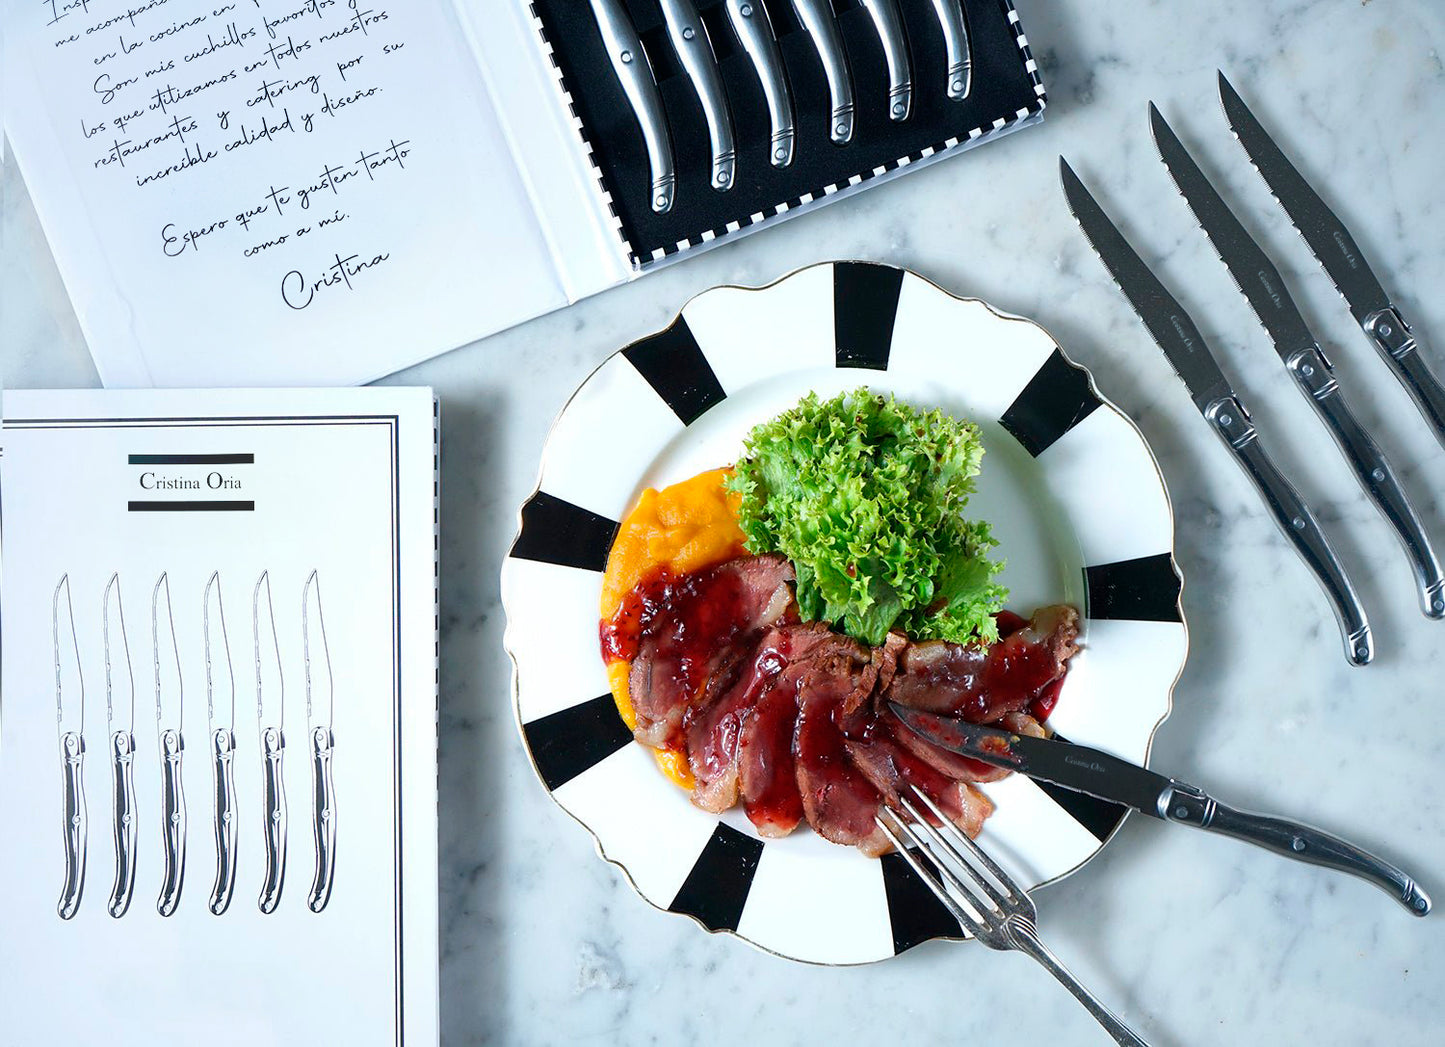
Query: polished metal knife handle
(1314,374)
(72,755)
(629,62)
(689,40)
(889,23)
(1231,421)
(223,752)
(173,823)
(122,763)
(1191,806)
(816,17)
(323,820)
(1396,342)
(750,21)
(956,48)
(273,747)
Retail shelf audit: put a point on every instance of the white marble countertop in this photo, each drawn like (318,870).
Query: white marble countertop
(1194,939)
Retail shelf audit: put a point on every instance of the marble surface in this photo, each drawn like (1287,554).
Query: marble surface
(1193,938)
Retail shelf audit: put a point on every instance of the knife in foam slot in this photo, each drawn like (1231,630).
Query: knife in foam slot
(1100,774)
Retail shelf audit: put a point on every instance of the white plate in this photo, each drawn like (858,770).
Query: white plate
(1071,489)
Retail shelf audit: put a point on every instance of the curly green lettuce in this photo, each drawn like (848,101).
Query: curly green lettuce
(865,495)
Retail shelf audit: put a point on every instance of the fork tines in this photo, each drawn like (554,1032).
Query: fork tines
(986,899)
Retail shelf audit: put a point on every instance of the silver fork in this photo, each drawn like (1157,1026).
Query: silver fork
(997,911)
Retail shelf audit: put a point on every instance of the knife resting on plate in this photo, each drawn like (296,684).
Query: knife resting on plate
(1107,777)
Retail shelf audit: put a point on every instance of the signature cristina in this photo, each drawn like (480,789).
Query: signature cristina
(299,291)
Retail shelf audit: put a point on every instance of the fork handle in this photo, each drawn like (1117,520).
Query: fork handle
(1028,940)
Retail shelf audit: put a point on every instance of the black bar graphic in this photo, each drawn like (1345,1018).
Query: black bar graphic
(192,459)
(192,507)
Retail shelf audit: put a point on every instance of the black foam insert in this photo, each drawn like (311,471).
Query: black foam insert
(1002,87)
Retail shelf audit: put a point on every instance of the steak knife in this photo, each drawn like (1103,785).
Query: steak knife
(689,40)
(889,22)
(70,718)
(221,716)
(817,19)
(1342,259)
(270,719)
(1262,286)
(319,710)
(120,717)
(956,48)
(1097,773)
(750,22)
(166,661)
(634,73)
(1174,331)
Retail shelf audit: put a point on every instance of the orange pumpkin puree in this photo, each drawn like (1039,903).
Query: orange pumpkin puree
(681,528)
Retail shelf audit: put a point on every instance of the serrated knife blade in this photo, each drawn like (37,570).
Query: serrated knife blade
(1305,361)
(1341,257)
(1186,349)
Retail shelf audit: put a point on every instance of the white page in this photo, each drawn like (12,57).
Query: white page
(375,112)
(342,483)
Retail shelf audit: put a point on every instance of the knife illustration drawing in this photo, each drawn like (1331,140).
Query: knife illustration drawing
(120,717)
(70,717)
(319,712)
(166,663)
(270,719)
(221,717)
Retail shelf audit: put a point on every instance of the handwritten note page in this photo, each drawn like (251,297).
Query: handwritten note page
(252,192)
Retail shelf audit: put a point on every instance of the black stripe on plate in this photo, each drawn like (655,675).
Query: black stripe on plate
(1100,817)
(191,459)
(914,911)
(677,370)
(1056,399)
(566,743)
(1145,589)
(716,889)
(556,531)
(865,302)
(192,507)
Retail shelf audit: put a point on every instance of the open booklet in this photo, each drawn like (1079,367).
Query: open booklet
(320,192)
(218,725)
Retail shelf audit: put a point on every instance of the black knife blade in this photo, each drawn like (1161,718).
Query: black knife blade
(1262,286)
(1097,773)
(1254,273)
(1074,767)
(1162,314)
(1226,414)
(1341,258)
(1326,235)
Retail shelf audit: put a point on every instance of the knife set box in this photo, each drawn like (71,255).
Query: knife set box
(344,192)
(218,724)
(1004,93)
